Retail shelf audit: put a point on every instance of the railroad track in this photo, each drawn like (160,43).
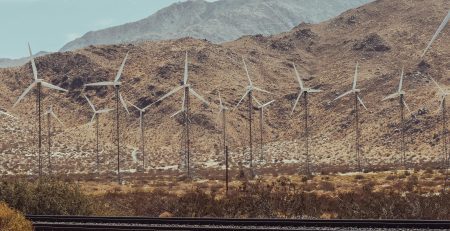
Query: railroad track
(41,223)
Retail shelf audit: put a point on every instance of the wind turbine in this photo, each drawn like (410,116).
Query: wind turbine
(304,91)
(355,91)
(96,116)
(39,83)
(436,34)
(261,120)
(187,91)
(119,97)
(50,114)
(249,92)
(141,129)
(222,112)
(443,95)
(401,94)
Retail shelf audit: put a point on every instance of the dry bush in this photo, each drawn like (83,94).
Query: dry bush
(11,220)
(45,197)
(327,186)
(359,177)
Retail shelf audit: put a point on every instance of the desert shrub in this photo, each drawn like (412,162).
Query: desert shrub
(391,177)
(359,177)
(11,220)
(327,186)
(45,197)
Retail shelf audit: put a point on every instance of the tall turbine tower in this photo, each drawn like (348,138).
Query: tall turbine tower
(96,116)
(141,129)
(261,125)
(222,112)
(443,108)
(50,114)
(188,90)
(249,92)
(401,95)
(438,31)
(39,83)
(304,91)
(355,91)
(119,97)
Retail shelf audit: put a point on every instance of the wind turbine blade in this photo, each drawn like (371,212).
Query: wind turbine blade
(100,84)
(436,34)
(56,117)
(169,94)
(33,64)
(298,77)
(362,103)
(123,103)
(296,102)
(186,71)
(261,90)
(314,91)
(246,93)
(391,96)
(400,86)
(6,114)
(51,86)
(119,73)
(257,101)
(104,111)
(133,105)
(93,117)
(267,104)
(346,93)
(246,71)
(407,107)
(176,113)
(90,103)
(198,96)
(355,78)
(439,87)
(24,93)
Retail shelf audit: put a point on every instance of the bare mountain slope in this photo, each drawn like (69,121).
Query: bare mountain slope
(218,21)
(382,36)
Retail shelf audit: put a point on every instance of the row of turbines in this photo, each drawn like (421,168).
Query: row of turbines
(185,111)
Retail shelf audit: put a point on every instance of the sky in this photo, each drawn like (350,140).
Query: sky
(49,24)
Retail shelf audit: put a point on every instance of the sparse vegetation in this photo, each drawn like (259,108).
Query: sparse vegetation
(11,220)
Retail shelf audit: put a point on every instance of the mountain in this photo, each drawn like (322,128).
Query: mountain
(383,36)
(18,62)
(218,21)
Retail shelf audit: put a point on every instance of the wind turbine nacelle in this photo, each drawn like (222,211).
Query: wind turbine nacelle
(356,90)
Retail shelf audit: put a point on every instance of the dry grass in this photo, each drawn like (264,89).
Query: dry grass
(11,220)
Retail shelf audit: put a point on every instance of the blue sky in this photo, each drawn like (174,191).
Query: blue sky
(49,24)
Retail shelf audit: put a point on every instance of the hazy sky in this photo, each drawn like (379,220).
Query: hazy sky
(49,24)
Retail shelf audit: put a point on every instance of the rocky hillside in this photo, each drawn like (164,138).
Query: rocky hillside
(218,21)
(382,36)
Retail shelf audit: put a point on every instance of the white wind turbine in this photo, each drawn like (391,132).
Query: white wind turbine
(401,95)
(141,129)
(443,95)
(439,30)
(355,91)
(188,90)
(96,116)
(303,91)
(249,92)
(116,84)
(222,111)
(50,113)
(38,83)
(261,124)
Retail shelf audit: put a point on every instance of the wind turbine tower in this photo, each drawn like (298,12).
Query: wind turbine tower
(401,95)
(303,91)
(116,84)
(38,83)
(355,91)
(249,93)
